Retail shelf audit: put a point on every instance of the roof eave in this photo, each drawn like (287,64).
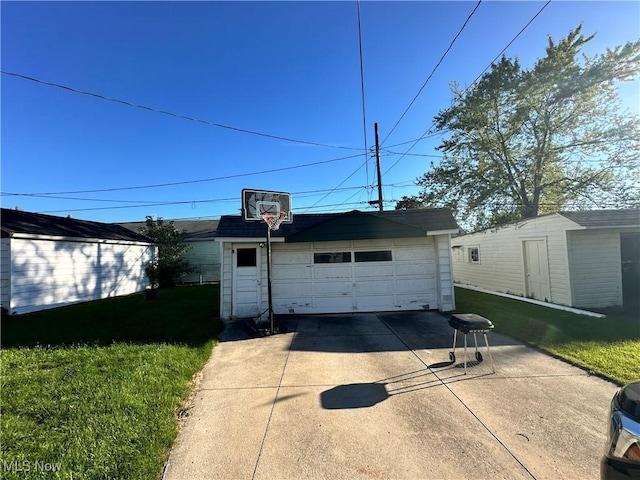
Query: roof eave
(248,239)
(58,238)
(443,232)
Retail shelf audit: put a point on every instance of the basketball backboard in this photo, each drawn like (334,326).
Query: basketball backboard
(255,203)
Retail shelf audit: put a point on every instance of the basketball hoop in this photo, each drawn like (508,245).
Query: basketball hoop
(274,220)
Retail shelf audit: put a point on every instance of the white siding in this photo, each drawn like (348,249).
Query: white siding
(445,273)
(408,282)
(204,257)
(501,264)
(595,268)
(5,272)
(226,287)
(47,274)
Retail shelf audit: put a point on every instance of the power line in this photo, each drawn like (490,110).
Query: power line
(314,207)
(148,203)
(203,180)
(339,185)
(389,152)
(433,71)
(364,113)
(423,137)
(428,132)
(177,115)
(508,45)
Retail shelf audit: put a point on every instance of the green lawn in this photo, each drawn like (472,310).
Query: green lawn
(95,390)
(606,346)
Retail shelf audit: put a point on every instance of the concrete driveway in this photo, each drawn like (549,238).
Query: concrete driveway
(373,396)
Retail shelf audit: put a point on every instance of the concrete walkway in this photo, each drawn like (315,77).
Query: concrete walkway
(373,396)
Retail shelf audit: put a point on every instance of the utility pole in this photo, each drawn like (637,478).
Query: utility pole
(380,203)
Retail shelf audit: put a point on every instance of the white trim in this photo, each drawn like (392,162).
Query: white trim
(53,238)
(200,239)
(530,300)
(249,239)
(442,232)
(604,227)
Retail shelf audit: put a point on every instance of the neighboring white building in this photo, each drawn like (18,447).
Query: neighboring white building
(50,261)
(580,259)
(204,254)
(339,263)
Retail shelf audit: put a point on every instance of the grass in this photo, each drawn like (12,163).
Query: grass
(609,347)
(95,390)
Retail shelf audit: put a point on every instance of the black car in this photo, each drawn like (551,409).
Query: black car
(622,458)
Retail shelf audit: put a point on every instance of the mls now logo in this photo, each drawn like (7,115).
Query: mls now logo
(39,466)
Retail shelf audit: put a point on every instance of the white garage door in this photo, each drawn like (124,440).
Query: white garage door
(354,276)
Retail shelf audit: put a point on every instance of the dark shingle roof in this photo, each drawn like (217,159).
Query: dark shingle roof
(425,220)
(195,229)
(605,218)
(17,221)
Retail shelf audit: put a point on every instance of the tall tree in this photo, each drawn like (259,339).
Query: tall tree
(527,142)
(171,264)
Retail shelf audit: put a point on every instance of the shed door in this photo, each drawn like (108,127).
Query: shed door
(247,289)
(630,258)
(536,270)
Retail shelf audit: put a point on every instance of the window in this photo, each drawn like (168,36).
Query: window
(338,257)
(375,256)
(246,257)
(474,254)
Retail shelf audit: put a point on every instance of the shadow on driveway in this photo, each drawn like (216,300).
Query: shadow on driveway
(362,332)
(374,396)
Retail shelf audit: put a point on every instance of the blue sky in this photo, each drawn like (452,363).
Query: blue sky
(285,69)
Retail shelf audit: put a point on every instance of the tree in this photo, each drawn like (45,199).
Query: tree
(409,203)
(528,142)
(171,264)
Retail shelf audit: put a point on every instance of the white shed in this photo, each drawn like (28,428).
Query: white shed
(339,263)
(50,261)
(580,259)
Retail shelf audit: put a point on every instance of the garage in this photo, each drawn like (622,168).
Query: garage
(360,275)
(50,261)
(339,263)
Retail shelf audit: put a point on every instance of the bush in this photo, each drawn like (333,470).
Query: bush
(170,265)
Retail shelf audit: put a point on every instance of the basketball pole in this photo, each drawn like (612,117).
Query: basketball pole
(271,326)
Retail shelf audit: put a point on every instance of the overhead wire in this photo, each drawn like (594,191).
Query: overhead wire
(340,184)
(176,115)
(366,162)
(364,111)
(433,71)
(428,132)
(302,194)
(203,180)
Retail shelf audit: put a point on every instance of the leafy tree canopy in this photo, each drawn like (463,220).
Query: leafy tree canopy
(170,265)
(408,203)
(524,142)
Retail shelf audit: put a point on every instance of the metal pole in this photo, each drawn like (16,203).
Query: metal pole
(271,326)
(380,206)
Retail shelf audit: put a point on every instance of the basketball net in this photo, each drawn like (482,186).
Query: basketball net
(274,220)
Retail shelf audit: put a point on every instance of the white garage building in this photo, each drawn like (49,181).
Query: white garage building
(50,261)
(339,263)
(583,259)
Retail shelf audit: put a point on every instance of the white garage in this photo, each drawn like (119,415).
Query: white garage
(339,263)
(50,261)
(359,275)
